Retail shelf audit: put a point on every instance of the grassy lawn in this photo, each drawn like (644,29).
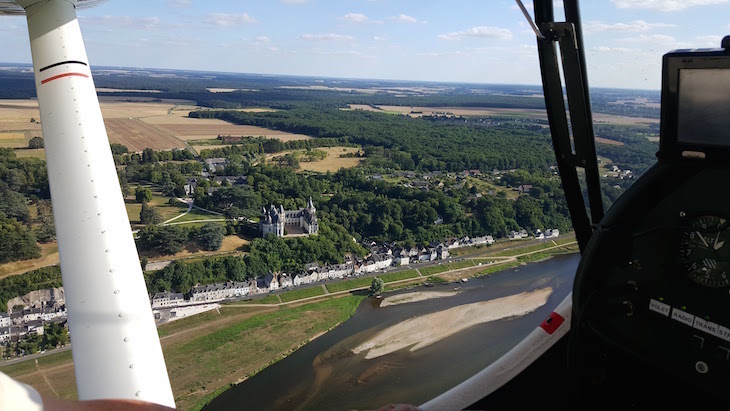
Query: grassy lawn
(196,214)
(521,250)
(269,299)
(400,275)
(460,264)
(303,293)
(434,269)
(545,254)
(498,267)
(349,284)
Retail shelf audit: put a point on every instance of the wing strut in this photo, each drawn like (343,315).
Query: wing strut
(569,37)
(116,349)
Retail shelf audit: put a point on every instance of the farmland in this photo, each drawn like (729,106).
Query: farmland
(413,111)
(160,125)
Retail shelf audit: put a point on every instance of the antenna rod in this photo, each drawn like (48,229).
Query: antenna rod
(116,349)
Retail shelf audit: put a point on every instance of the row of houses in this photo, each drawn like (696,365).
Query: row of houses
(15,332)
(539,234)
(380,258)
(28,315)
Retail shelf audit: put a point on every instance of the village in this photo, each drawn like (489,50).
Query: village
(382,257)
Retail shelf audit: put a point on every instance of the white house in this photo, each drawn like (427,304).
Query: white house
(539,235)
(4,320)
(401,257)
(167,299)
(220,291)
(32,314)
(516,235)
(442,252)
(272,282)
(285,281)
(305,278)
(554,232)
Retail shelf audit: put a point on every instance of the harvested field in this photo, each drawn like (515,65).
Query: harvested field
(177,118)
(200,131)
(137,135)
(13,140)
(608,141)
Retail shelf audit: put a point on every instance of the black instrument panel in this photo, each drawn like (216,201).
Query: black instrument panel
(654,281)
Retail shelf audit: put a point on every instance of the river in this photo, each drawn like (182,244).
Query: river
(326,375)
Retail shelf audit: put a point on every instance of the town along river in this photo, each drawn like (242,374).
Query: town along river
(327,375)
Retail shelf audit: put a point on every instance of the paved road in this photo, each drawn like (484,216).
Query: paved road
(34,356)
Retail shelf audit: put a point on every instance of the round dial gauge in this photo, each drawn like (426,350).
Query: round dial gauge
(705,251)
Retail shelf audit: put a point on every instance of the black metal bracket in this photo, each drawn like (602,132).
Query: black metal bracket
(581,152)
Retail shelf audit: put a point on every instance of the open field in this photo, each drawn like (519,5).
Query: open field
(413,111)
(199,131)
(160,125)
(137,135)
(303,293)
(37,153)
(49,256)
(332,162)
(399,275)
(608,141)
(208,352)
(349,284)
(13,140)
(231,244)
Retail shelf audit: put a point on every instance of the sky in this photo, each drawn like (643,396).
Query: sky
(480,41)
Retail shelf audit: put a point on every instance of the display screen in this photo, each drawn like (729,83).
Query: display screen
(703,117)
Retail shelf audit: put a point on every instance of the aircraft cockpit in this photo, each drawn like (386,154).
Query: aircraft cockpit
(651,295)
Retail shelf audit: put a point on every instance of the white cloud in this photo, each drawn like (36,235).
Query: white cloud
(479,32)
(605,49)
(635,26)
(228,20)
(710,40)
(263,39)
(378,38)
(355,18)
(147,23)
(664,5)
(326,37)
(179,4)
(404,18)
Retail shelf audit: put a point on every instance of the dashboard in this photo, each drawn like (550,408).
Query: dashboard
(654,283)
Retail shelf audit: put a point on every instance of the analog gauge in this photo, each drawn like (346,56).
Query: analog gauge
(705,251)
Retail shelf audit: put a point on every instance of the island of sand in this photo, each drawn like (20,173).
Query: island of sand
(427,329)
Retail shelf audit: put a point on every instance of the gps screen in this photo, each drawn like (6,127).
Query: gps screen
(703,117)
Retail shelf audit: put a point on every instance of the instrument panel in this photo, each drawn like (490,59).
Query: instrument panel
(657,281)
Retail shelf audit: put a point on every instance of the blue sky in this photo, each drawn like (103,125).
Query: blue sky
(484,41)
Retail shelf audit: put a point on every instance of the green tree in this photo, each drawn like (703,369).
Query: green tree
(16,241)
(143,194)
(36,142)
(149,215)
(118,149)
(143,262)
(47,230)
(211,236)
(377,286)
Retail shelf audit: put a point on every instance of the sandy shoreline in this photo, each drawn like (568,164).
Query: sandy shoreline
(427,329)
(415,297)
